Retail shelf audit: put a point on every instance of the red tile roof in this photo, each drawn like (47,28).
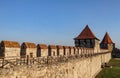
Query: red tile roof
(29,45)
(10,44)
(42,46)
(86,34)
(71,47)
(66,47)
(52,46)
(106,39)
(59,46)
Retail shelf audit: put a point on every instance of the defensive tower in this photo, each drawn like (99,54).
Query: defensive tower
(87,39)
(107,42)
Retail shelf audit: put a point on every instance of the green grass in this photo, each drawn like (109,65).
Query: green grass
(113,72)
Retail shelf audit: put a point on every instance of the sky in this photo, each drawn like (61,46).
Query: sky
(58,21)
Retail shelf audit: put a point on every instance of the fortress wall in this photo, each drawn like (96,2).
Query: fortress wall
(95,65)
(83,66)
(107,57)
(74,68)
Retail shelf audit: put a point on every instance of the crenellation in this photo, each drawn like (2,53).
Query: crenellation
(60,50)
(87,51)
(28,49)
(66,51)
(10,49)
(84,52)
(80,51)
(42,50)
(76,51)
(52,50)
(90,51)
(72,51)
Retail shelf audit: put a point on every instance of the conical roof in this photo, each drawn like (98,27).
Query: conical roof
(106,39)
(86,34)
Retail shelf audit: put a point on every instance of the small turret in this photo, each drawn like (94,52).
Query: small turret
(107,42)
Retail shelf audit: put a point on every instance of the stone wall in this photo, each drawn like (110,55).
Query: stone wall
(76,63)
(84,67)
(14,52)
(31,50)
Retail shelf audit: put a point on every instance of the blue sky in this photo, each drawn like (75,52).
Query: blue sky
(58,21)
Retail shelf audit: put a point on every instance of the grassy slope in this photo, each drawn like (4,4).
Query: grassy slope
(113,72)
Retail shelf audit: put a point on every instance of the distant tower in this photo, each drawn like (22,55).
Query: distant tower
(107,43)
(87,39)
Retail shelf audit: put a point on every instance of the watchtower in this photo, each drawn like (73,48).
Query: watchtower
(87,39)
(107,42)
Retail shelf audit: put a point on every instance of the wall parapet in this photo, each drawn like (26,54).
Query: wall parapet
(32,50)
(46,56)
